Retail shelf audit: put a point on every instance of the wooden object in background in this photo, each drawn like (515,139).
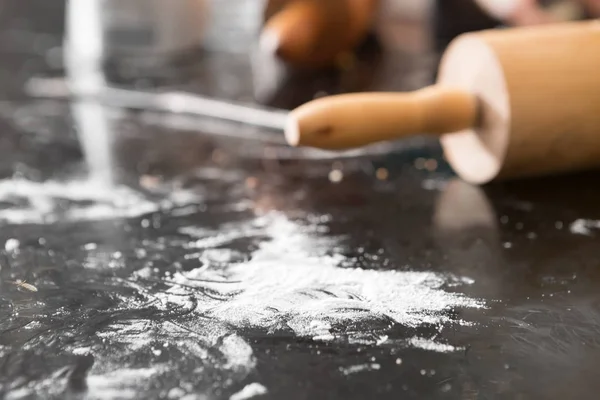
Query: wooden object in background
(538,96)
(314,33)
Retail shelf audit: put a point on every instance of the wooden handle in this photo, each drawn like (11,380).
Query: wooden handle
(313,33)
(354,120)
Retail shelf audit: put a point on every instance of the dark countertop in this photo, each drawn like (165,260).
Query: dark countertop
(223,262)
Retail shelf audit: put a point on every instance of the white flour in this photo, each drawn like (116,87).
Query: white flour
(290,283)
(40,202)
(249,391)
(584,226)
(431,345)
(360,368)
(212,347)
(103,386)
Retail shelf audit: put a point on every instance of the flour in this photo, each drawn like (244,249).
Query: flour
(584,226)
(41,202)
(82,351)
(249,391)
(292,283)
(211,347)
(360,368)
(11,245)
(430,345)
(238,353)
(303,291)
(119,384)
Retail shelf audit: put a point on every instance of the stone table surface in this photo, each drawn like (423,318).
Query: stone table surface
(218,265)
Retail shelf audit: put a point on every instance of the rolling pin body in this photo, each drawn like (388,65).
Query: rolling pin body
(539,92)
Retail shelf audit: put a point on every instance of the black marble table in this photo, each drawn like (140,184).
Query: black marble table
(219,266)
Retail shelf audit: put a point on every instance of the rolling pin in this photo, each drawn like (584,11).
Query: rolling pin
(508,103)
(315,33)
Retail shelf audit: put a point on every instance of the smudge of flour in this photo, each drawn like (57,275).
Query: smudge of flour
(360,368)
(430,345)
(111,385)
(292,284)
(249,391)
(207,347)
(584,226)
(33,202)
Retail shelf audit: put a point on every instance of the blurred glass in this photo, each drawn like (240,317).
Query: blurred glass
(147,31)
(234,25)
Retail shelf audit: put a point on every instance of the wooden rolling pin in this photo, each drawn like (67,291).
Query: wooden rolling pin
(507,103)
(314,33)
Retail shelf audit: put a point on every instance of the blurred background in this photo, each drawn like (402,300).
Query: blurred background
(216,46)
(212,45)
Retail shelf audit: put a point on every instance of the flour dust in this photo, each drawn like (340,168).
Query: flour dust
(23,201)
(292,284)
(584,226)
(249,391)
(192,325)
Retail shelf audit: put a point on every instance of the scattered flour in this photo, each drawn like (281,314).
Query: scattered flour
(249,391)
(584,226)
(212,347)
(303,291)
(11,245)
(82,351)
(292,283)
(360,368)
(430,345)
(119,384)
(41,202)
